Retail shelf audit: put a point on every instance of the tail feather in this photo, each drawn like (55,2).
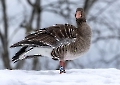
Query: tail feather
(37,32)
(20,52)
(27,57)
(25,42)
(25,53)
(32,56)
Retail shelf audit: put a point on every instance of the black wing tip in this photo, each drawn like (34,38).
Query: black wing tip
(15,45)
(32,56)
(15,60)
(12,46)
(56,59)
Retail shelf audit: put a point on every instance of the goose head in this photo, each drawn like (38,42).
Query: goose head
(80,15)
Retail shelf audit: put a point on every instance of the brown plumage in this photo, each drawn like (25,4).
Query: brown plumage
(65,42)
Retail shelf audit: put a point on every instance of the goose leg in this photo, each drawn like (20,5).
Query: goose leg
(62,67)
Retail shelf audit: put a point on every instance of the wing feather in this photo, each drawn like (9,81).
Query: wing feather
(50,36)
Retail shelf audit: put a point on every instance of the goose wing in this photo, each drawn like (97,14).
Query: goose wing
(50,36)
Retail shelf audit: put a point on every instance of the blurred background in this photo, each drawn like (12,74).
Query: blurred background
(21,17)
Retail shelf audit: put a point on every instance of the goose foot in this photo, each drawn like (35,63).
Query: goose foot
(62,67)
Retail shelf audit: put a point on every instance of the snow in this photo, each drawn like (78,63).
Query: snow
(109,76)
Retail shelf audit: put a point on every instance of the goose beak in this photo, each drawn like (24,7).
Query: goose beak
(78,14)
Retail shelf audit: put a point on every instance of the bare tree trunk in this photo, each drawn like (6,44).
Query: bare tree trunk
(88,4)
(5,54)
(36,12)
(38,20)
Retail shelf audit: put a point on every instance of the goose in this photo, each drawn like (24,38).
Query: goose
(60,42)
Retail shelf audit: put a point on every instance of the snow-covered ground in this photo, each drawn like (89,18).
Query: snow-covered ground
(52,77)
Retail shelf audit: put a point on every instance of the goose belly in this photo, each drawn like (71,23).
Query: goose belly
(71,56)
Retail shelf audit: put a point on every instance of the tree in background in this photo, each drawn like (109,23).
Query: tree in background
(4,37)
